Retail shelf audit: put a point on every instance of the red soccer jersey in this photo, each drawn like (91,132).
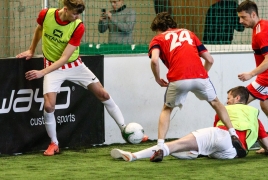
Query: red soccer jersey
(179,51)
(77,34)
(260,47)
(242,134)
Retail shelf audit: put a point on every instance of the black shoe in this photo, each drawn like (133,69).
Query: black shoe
(157,156)
(125,136)
(240,150)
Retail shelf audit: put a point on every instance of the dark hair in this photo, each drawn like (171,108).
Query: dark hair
(162,22)
(76,5)
(240,91)
(248,6)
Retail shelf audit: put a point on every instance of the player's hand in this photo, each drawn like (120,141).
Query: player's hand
(26,54)
(245,76)
(33,74)
(162,83)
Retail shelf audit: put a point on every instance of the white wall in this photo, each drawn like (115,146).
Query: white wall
(130,82)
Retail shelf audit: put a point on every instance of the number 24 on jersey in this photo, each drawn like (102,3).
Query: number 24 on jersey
(178,39)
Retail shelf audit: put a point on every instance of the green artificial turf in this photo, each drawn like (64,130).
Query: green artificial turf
(96,163)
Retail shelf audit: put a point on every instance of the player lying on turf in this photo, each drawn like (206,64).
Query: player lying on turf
(214,142)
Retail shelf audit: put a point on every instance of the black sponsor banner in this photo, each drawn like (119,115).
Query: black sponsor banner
(79,114)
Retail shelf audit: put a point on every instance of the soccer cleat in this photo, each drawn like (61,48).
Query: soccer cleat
(145,138)
(124,137)
(184,155)
(157,156)
(240,150)
(52,149)
(118,154)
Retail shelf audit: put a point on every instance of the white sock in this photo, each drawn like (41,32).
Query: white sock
(50,124)
(166,150)
(160,143)
(232,132)
(147,153)
(115,113)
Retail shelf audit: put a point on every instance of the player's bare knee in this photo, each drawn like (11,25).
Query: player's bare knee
(103,96)
(215,103)
(49,108)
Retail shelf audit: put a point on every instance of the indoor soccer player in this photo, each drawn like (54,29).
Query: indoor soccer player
(180,51)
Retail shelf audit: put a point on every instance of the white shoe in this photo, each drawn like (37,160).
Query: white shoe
(184,155)
(127,156)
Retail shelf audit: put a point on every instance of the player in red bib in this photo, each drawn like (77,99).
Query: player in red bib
(180,51)
(258,89)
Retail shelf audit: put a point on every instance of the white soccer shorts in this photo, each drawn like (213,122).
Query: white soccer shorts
(215,143)
(177,91)
(80,75)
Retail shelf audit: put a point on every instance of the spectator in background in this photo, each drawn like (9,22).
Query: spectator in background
(221,21)
(120,21)
(162,6)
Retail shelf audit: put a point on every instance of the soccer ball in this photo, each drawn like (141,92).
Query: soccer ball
(133,133)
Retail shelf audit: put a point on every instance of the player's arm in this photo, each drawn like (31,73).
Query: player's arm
(36,38)
(155,67)
(68,51)
(258,70)
(208,60)
(203,53)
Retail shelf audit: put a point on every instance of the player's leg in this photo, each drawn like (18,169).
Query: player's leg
(87,79)
(97,89)
(205,91)
(222,145)
(250,99)
(175,96)
(145,153)
(264,107)
(50,123)
(52,84)
(257,91)
(184,148)
(49,109)
(222,113)
(163,125)
(187,143)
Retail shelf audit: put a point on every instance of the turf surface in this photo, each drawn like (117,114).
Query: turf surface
(96,163)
